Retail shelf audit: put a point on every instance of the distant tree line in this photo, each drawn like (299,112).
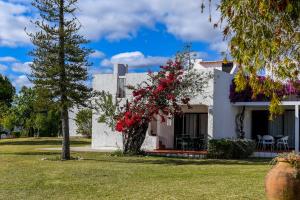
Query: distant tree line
(27,113)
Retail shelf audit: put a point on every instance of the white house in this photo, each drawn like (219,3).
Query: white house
(210,117)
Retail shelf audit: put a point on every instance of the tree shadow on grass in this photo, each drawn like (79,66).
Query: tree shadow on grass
(31,153)
(178,162)
(42,142)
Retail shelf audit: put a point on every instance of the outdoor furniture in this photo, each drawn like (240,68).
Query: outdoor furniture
(268,140)
(198,143)
(259,143)
(284,141)
(277,137)
(3,136)
(183,142)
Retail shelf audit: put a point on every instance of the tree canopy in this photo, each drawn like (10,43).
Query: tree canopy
(264,37)
(32,114)
(60,60)
(7,91)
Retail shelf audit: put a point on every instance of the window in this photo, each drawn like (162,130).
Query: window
(121,87)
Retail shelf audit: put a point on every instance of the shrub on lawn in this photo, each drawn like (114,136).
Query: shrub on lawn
(230,148)
(16,134)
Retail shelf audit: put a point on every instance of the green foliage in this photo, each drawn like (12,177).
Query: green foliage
(7,91)
(264,36)
(8,121)
(230,148)
(117,153)
(107,108)
(84,122)
(16,134)
(40,122)
(60,60)
(32,113)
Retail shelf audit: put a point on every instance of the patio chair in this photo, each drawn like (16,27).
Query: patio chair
(185,144)
(259,143)
(283,142)
(3,136)
(268,140)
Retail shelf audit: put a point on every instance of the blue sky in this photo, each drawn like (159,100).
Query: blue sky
(141,33)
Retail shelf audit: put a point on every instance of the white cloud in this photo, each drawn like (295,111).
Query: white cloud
(7,59)
(97,54)
(120,19)
(21,67)
(22,81)
(3,67)
(134,59)
(14,19)
(219,45)
(113,20)
(117,19)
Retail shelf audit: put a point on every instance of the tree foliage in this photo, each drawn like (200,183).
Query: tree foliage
(7,91)
(27,110)
(84,122)
(60,60)
(107,107)
(264,36)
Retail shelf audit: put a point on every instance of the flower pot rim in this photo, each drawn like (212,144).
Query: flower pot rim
(288,159)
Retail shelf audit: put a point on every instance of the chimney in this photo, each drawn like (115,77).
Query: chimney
(120,69)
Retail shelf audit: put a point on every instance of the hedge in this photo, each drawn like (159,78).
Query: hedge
(230,148)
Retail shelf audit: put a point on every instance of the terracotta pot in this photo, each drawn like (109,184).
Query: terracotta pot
(283,181)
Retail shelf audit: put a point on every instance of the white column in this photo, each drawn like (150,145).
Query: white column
(296,128)
(210,122)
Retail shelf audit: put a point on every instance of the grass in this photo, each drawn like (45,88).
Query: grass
(24,175)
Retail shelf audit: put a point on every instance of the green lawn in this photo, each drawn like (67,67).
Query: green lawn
(24,175)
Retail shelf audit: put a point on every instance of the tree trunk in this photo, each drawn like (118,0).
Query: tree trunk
(133,140)
(65,154)
(239,121)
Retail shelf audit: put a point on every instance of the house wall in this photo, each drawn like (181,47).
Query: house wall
(223,112)
(72,123)
(166,134)
(103,137)
(165,131)
(214,101)
(206,99)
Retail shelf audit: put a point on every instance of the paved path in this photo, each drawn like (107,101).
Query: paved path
(78,149)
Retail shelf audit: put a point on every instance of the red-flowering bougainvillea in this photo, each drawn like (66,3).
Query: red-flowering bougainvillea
(160,97)
(247,95)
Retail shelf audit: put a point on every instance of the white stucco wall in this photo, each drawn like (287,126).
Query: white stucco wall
(214,101)
(103,137)
(165,134)
(223,112)
(72,123)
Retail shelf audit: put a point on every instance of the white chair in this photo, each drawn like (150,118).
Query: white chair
(259,143)
(268,140)
(3,136)
(284,141)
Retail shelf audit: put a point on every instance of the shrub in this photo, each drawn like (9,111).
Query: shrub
(16,134)
(84,122)
(230,148)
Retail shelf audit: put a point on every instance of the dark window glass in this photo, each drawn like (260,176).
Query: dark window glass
(121,88)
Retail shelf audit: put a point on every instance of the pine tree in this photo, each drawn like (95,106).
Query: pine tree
(60,60)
